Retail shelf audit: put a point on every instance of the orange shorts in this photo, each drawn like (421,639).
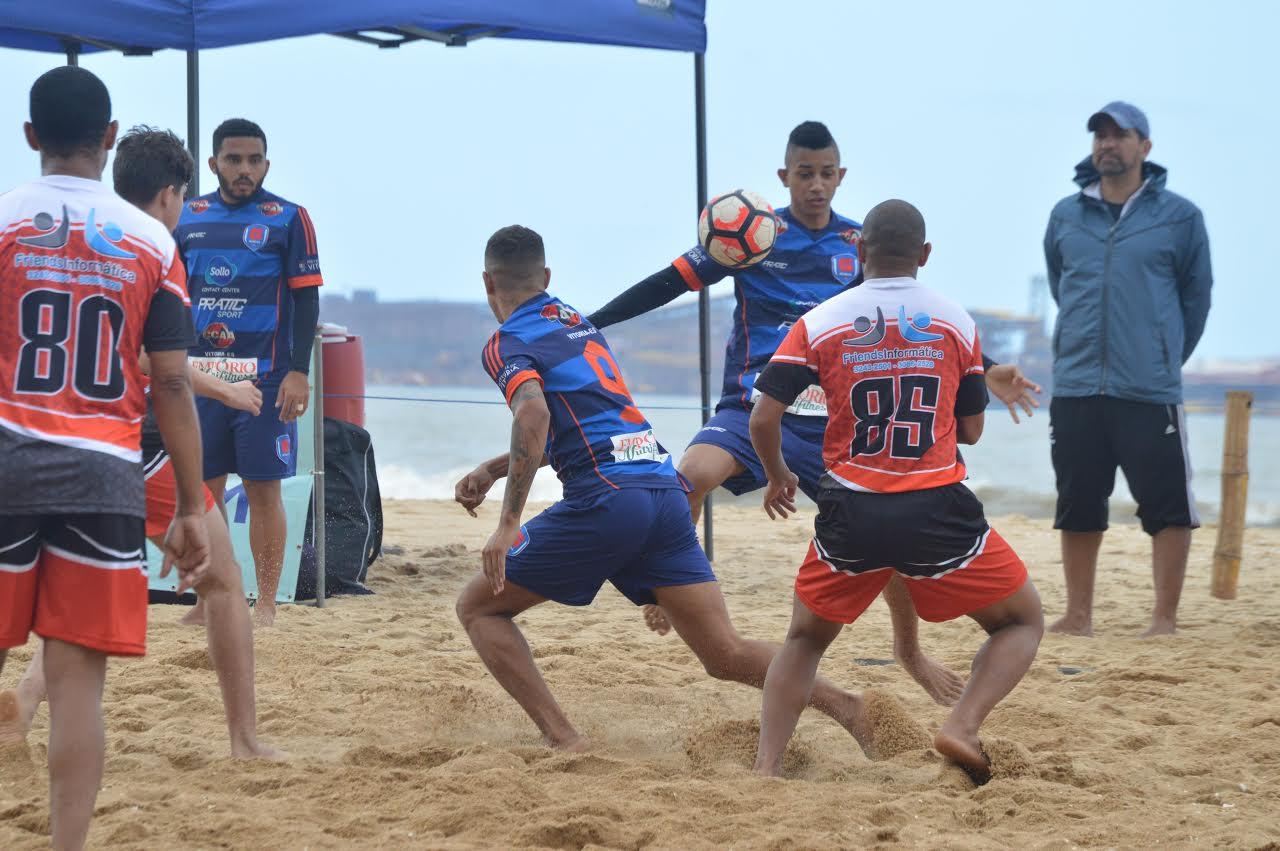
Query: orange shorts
(162,497)
(79,578)
(989,576)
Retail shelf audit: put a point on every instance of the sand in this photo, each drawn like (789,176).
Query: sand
(402,740)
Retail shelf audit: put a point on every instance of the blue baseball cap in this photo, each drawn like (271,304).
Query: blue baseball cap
(1125,115)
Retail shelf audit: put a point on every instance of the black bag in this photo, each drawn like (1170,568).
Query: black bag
(352,511)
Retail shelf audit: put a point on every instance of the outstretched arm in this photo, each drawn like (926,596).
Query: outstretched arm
(653,292)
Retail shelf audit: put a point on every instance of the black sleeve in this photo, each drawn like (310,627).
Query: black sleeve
(784,381)
(306,313)
(653,292)
(987,362)
(971,396)
(169,325)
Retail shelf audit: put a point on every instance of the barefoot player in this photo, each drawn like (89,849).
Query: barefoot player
(814,259)
(86,281)
(902,369)
(624,518)
(151,171)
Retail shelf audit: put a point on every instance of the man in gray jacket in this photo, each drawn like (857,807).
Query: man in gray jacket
(1129,268)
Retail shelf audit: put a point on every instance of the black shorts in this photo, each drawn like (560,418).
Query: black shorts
(1090,436)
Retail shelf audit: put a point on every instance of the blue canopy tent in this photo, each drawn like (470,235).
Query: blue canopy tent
(141,27)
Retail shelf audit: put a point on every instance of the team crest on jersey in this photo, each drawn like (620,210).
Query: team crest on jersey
(284,447)
(521,542)
(255,236)
(844,268)
(851,236)
(562,314)
(199,205)
(270,208)
(219,335)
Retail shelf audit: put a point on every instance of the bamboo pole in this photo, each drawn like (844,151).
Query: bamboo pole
(1235,495)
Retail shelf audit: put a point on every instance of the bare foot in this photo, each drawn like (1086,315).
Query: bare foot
(195,616)
(1160,626)
(577,743)
(13,722)
(966,752)
(263,616)
(259,751)
(1070,624)
(942,684)
(656,619)
(852,715)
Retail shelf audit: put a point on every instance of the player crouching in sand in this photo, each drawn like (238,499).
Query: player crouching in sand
(902,370)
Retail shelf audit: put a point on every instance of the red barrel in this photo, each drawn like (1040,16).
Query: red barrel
(343,355)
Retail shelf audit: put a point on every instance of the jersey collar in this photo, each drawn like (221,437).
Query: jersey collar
(834,224)
(532,304)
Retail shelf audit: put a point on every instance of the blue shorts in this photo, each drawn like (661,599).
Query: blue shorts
(637,538)
(257,448)
(729,430)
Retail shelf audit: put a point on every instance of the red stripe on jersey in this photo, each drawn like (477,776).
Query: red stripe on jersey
(691,279)
(586,443)
(519,378)
(309,230)
(298,282)
(746,333)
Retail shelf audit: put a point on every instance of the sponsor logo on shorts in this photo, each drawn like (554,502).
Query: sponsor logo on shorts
(219,335)
(284,448)
(844,268)
(228,369)
(637,446)
(562,314)
(198,206)
(271,208)
(522,542)
(714,428)
(255,236)
(220,272)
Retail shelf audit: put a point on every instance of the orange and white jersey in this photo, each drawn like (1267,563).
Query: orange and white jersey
(898,362)
(86,280)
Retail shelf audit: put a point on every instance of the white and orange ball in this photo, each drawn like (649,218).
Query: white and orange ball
(738,229)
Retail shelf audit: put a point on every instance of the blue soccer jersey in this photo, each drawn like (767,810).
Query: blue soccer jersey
(241,260)
(804,269)
(598,439)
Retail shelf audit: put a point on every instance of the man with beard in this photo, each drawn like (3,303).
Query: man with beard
(252,262)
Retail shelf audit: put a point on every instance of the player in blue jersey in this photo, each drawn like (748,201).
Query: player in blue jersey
(624,518)
(815,257)
(254,273)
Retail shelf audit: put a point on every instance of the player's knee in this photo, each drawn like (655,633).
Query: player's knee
(724,662)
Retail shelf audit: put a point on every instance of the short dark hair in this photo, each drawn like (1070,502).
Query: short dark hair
(147,161)
(893,230)
(70,111)
(235,128)
(517,249)
(812,136)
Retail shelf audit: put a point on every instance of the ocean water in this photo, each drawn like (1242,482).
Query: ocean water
(424,447)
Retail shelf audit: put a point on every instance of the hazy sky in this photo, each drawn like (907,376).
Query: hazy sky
(408,159)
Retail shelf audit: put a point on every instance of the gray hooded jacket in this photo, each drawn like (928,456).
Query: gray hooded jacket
(1132,294)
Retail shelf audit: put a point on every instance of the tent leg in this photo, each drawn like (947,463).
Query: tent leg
(317,500)
(704,299)
(73,52)
(193,118)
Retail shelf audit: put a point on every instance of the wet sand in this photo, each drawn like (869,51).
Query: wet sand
(401,739)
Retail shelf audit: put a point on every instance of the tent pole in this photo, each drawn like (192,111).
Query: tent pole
(193,118)
(73,53)
(704,298)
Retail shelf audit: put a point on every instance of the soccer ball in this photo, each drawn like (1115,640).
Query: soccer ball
(738,229)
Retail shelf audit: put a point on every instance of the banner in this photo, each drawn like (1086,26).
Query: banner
(297,499)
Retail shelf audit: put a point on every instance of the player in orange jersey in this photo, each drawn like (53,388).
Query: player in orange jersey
(902,370)
(151,171)
(86,281)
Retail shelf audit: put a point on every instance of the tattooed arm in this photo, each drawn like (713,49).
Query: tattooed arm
(528,437)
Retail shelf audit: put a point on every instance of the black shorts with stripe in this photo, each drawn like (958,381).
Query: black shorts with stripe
(1090,436)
